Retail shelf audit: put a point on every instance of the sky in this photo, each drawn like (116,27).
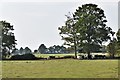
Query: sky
(36,22)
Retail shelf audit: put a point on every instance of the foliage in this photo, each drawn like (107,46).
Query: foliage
(15,52)
(112,48)
(118,39)
(8,38)
(86,28)
(27,50)
(69,33)
(56,49)
(118,42)
(21,50)
(23,57)
(42,49)
(35,51)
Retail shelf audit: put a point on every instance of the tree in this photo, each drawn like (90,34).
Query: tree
(15,52)
(8,38)
(86,28)
(21,50)
(56,49)
(63,49)
(118,39)
(69,33)
(27,50)
(112,48)
(118,42)
(59,49)
(0,41)
(42,49)
(51,50)
(35,51)
(93,30)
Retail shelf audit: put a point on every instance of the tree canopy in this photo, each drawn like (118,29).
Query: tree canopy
(86,28)
(118,38)
(56,49)
(8,38)
(42,49)
(27,50)
(118,42)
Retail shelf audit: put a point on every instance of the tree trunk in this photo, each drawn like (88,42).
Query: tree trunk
(75,47)
(75,52)
(112,56)
(89,56)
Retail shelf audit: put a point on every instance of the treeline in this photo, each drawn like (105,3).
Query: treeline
(56,49)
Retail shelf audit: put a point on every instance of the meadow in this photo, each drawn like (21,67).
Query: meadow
(56,55)
(62,55)
(0,69)
(61,68)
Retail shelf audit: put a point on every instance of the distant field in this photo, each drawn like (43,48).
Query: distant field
(61,55)
(57,55)
(64,68)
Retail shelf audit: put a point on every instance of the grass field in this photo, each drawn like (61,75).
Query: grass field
(0,69)
(64,68)
(59,55)
(56,55)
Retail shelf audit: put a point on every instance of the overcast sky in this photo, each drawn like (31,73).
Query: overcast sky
(36,22)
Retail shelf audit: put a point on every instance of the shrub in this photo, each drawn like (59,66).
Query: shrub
(51,57)
(100,56)
(68,57)
(23,57)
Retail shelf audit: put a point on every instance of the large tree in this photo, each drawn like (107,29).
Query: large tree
(86,28)
(8,38)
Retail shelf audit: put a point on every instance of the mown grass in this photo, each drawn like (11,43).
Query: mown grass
(64,68)
(0,69)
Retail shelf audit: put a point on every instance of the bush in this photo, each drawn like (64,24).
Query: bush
(100,56)
(118,53)
(51,57)
(23,57)
(68,57)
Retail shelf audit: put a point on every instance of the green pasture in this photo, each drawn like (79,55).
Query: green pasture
(61,68)
(70,54)
(56,55)
(0,69)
